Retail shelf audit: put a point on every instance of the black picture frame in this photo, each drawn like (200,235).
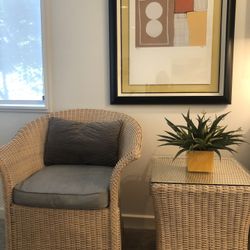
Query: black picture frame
(213,98)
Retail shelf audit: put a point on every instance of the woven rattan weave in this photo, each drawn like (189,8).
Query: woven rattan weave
(200,210)
(30,228)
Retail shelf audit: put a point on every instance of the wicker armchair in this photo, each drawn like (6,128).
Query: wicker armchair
(46,228)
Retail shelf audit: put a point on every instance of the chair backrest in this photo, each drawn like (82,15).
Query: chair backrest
(90,115)
(130,125)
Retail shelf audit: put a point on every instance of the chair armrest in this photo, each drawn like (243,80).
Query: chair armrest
(130,150)
(130,140)
(22,156)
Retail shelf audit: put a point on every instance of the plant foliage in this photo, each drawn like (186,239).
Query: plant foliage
(206,135)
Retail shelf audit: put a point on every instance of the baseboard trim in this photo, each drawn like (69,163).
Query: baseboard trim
(138,221)
(1,213)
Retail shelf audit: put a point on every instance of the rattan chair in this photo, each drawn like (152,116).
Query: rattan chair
(32,228)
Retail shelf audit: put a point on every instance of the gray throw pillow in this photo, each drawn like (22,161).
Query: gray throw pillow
(71,142)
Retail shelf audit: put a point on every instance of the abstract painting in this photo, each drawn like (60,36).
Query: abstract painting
(171,51)
(171,23)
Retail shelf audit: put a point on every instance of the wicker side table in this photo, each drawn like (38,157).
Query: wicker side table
(197,211)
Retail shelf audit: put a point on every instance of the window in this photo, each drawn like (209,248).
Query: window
(21,55)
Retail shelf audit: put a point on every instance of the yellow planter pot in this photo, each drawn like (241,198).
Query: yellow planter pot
(200,161)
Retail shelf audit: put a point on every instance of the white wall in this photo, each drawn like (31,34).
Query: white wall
(80,79)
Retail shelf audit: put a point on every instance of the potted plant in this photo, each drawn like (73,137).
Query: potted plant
(201,140)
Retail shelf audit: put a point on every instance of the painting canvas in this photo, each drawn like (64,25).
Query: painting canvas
(172,42)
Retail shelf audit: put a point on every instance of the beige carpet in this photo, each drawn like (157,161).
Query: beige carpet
(136,239)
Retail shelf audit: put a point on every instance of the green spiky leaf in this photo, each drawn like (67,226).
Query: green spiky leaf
(206,135)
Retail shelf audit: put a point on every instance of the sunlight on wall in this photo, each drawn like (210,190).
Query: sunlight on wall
(246,69)
(242,46)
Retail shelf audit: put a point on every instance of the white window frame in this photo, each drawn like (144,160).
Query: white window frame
(37,106)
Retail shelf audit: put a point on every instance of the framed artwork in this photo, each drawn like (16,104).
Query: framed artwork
(171,51)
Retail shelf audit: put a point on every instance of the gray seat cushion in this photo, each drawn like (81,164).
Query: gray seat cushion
(66,186)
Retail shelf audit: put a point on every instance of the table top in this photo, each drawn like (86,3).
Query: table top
(227,171)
